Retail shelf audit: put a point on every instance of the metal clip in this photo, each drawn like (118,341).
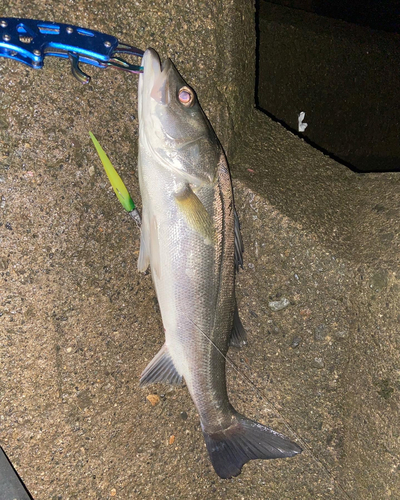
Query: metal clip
(29,41)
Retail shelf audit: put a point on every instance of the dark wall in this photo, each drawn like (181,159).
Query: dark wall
(377,14)
(343,76)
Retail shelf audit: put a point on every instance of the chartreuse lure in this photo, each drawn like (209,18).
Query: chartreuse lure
(116,182)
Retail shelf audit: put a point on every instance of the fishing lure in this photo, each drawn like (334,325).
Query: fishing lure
(29,41)
(117,183)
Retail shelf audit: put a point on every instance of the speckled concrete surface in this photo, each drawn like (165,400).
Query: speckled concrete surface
(78,323)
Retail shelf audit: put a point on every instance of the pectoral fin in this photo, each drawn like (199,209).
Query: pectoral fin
(195,213)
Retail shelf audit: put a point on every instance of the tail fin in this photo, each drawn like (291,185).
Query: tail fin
(245,440)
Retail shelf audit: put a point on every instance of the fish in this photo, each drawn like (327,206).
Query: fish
(190,238)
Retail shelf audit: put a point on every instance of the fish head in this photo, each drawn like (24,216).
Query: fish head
(172,126)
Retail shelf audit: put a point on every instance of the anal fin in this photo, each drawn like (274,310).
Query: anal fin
(161,369)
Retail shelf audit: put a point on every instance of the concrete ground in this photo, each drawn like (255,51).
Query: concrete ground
(78,323)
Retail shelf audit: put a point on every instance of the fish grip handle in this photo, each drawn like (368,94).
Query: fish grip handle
(30,40)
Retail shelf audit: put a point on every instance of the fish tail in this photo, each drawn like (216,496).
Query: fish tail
(245,440)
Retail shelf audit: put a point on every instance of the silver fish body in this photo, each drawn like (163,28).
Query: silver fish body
(190,238)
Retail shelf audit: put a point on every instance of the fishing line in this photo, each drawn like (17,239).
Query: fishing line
(286,423)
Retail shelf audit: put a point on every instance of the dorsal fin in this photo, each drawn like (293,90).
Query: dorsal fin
(238,335)
(239,248)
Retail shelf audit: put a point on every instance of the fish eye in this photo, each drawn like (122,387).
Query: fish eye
(186,96)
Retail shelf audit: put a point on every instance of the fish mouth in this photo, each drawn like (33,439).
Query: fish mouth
(153,99)
(155,77)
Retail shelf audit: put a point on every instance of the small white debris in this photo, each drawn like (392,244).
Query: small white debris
(318,363)
(302,126)
(278,305)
